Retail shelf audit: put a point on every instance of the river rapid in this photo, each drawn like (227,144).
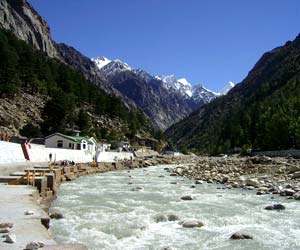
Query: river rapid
(120,211)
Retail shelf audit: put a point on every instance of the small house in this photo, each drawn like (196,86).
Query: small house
(124,145)
(172,153)
(103,146)
(58,140)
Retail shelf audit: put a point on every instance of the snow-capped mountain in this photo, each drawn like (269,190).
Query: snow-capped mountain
(197,93)
(165,99)
(180,85)
(101,61)
(110,68)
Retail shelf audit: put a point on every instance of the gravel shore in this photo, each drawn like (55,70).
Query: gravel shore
(267,175)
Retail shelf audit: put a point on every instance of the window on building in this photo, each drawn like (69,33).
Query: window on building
(84,146)
(78,146)
(59,144)
(71,145)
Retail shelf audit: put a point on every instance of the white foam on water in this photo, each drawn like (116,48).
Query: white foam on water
(103,212)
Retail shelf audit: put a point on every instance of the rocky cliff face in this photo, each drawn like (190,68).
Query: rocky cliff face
(161,106)
(19,17)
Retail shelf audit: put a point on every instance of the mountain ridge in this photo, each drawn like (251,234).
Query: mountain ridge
(261,112)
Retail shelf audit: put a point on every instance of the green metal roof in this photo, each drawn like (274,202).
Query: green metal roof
(74,138)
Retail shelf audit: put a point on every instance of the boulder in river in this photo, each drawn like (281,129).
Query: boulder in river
(6,224)
(56,215)
(4,230)
(172,217)
(29,212)
(160,218)
(192,224)
(275,207)
(252,182)
(33,245)
(289,192)
(10,238)
(297,196)
(240,236)
(186,198)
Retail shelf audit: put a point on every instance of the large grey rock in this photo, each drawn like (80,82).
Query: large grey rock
(56,215)
(296,175)
(10,238)
(4,230)
(6,224)
(275,207)
(240,236)
(289,192)
(186,198)
(160,218)
(172,217)
(252,182)
(192,224)
(33,245)
(297,196)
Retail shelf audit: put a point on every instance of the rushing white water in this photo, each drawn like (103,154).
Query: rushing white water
(107,211)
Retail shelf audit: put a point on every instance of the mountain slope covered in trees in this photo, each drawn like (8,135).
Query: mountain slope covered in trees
(71,101)
(262,112)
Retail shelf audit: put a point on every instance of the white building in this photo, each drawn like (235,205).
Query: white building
(58,140)
(103,146)
(172,153)
(123,145)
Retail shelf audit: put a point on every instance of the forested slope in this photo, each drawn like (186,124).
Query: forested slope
(262,112)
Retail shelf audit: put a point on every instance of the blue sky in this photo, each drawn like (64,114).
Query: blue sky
(206,41)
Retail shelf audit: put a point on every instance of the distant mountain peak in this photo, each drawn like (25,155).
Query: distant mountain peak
(184,81)
(101,61)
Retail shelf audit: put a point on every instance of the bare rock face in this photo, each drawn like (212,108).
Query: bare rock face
(19,17)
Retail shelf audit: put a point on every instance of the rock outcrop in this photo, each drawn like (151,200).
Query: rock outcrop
(21,18)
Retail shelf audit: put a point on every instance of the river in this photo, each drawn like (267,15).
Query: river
(119,211)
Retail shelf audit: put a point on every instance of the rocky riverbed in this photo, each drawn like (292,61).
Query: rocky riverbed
(267,175)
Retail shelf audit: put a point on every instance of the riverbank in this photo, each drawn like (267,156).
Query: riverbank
(19,199)
(267,175)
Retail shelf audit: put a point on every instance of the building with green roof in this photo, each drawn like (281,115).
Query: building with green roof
(58,140)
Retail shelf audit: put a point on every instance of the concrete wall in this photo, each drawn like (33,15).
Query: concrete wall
(39,153)
(113,156)
(11,153)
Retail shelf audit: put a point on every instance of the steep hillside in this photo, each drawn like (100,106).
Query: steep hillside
(262,112)
(42,95)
